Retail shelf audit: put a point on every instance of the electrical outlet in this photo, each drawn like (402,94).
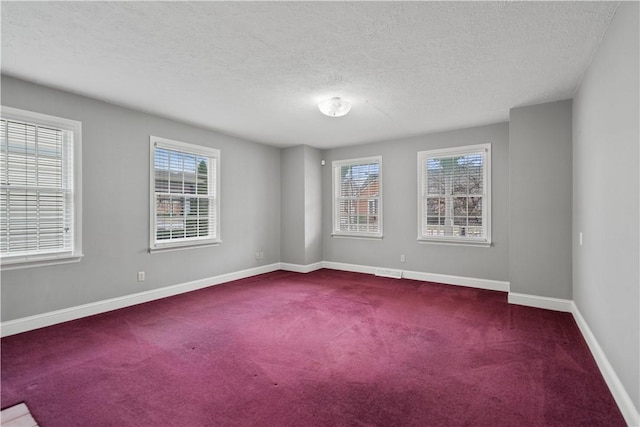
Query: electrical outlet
(261,255)
(257,255)
(140,276)
(403,258)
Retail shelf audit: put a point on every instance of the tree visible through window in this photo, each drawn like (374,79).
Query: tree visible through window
(454,194)
(358,197)
(185,196)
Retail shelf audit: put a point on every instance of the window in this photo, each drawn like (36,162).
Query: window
(357,197)
(40,200)
(454,197)
(185,195)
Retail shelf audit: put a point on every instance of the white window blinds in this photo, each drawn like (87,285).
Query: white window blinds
(185,202)
(454,194)
(37,197)
(358,197)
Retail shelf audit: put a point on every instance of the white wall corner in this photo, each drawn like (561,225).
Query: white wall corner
(548,303)
(24,324)
(299,268)
(620,395)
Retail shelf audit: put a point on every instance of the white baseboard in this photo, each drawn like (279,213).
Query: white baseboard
(622,398)
(626,405)
(29,323)
(390,273)
(556,304)
(620,395)
(493,285)
(470,282)
(299,268)
(354,268)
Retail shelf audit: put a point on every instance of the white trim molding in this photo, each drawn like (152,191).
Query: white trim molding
(447,279)
(548,303)
(354,268)
(337,197)
(622,398)
(620,395)
(70,188)
(425,159)
(298,268)
(471,282)
(29,323)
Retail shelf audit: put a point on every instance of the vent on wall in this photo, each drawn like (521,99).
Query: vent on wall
(385,272)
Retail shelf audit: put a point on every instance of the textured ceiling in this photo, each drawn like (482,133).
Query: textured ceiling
(258,69)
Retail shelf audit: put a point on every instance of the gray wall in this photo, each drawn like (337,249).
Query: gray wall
(399,175)
(301,205)
(292,208)
(312,205)
(116,207)
(540,200)
(606,282)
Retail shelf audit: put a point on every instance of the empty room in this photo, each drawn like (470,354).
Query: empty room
(320,213)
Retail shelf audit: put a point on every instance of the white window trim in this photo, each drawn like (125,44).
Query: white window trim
(486,200)
(155,141)
(336,164)
(74,126)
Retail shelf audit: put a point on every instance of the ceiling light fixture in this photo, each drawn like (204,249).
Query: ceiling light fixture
(334,107)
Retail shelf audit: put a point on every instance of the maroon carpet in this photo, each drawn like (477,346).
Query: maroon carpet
(326,348)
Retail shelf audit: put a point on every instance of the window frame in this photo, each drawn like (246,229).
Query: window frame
(9,262)
(336,165)
(187,148)
(422,156)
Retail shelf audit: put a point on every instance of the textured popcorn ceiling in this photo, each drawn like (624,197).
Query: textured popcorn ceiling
(258,70)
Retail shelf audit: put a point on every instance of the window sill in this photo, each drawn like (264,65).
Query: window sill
(356,236)
(170,248)
(39,261)
(455,242)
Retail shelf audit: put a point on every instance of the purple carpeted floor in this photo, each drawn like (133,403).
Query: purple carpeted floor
(326,348)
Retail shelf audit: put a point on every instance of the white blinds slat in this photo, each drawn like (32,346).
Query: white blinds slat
(36,199)
(358,197)
(185,195)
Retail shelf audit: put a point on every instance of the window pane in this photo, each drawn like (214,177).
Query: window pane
(453,192)
(435,205)
(51,207)
(176,175)
(435,177)
(475,206)
(190,174)
(191,228)
(21,158)
(459,220)
(460,175)
(203,227)
(357,193)
(49,158)
(203,175)
(163,228)
(460,206)
(476,178)
(189,213)
(36,206)
(161,170)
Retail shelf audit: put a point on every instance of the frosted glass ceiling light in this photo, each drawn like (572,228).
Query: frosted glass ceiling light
(334,107)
